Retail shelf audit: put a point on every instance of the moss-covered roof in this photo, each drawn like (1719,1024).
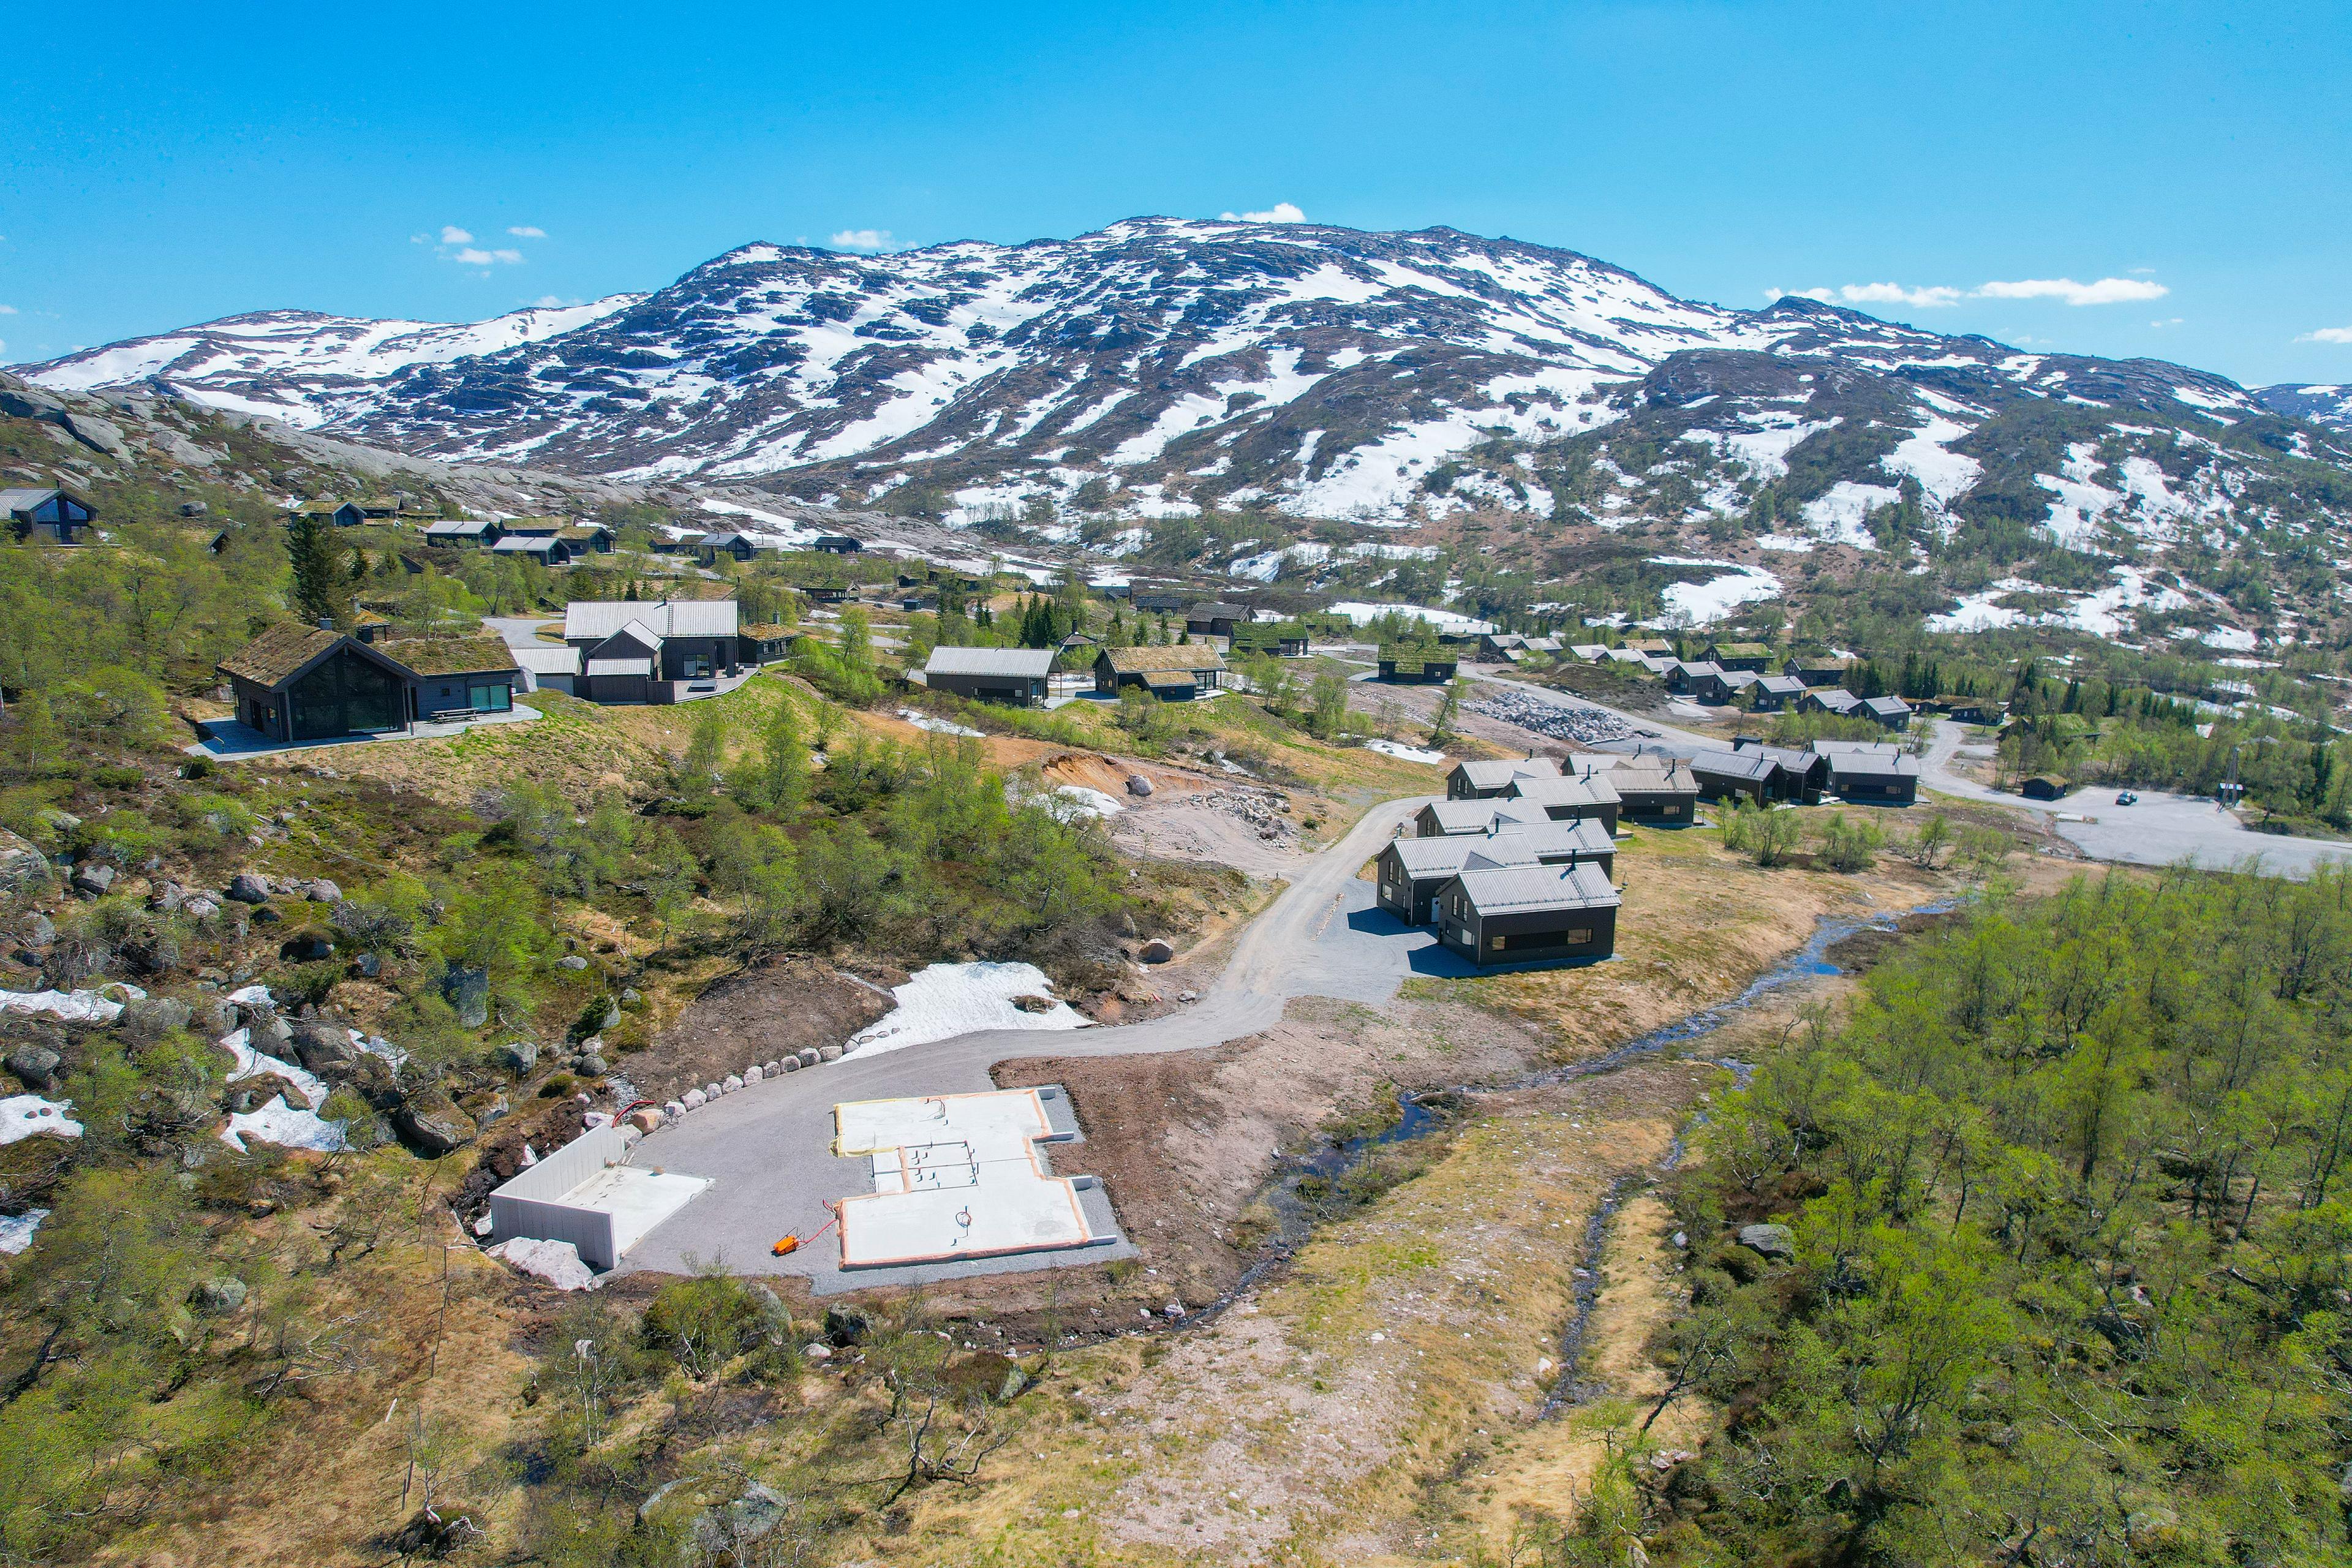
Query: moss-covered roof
(451,655)
(278,652)
(1138,660)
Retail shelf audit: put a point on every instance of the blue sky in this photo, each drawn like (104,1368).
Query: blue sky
(2184,169)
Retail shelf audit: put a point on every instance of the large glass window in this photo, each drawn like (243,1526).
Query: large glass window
(345,694)
(495,698)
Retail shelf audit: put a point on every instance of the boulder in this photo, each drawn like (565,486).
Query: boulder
(37,1066)
(590,1063)
(246,887)
(1035,1004)
(430,1122)
(711,1091)
(572,961)
(467,991)
(518,1056)
(168,897)
(218,1296)
(194,509)
(733,1083)
(1137,786)
(809,1058)
(93,879)
(367,966)
(150,1016)
(98,434)
(37,930)
(828,1053)
(1156,950)
(645,1118)
(790,1064)
(60,823)
(725,1533)
(846,1326)
(23,867)
(200,908)
(1773,1241)
(695,1099)
(266,915)
(754,1073)
(323,891)
(674,1108)
(310,946)
(325,1046)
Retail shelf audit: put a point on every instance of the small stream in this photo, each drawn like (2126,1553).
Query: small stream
(1427,1111)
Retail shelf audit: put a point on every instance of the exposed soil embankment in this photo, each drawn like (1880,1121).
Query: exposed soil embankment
(783,1006)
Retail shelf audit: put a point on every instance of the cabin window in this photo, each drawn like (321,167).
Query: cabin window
(1494,943)
(1576,938)
(495,697)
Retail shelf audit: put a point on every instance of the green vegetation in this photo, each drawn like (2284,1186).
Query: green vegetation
(2066,1258)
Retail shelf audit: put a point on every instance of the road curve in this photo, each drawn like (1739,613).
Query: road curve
(767,1148)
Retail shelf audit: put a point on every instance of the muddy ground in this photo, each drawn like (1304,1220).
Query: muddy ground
(782,1007)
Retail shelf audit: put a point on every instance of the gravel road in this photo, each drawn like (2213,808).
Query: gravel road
(768,1147)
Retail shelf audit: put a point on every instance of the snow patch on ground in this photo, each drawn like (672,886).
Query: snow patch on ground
(945,1000)
(556,1263)
(1924,456)
(1836,514)
(289,1127)
(1406,753)
(1070,802)
(251,1063)
(1793,543)
(2100,614)
(27,1115)
(923,721)
(1444,620)
(2231,637)
(1707,603)
(16,1230)
(72,1007)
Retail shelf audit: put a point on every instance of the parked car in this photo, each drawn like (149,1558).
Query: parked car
(2127,798)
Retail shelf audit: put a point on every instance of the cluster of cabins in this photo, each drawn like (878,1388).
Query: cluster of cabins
(1518,863)
(1019,676)
(1729,672)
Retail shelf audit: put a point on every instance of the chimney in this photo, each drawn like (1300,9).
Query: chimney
(326,623)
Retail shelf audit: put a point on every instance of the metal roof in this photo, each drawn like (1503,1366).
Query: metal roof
(1520,890)
(1869,764)
(1509,844)
(1835,749)
(1837,698)
(1749,765)
(1455,816)
(548,660)
(1016,663)
(530,544)
(24,499)
(1594,791)
(458,526)
(593,620)
(1498,772)
(1882,706)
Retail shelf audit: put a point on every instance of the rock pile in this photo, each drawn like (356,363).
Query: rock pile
(1262,810)
(1589,726)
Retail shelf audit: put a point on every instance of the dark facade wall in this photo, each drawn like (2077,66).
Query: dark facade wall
(1604,814)
(1532,937)
(1714,786)
(676,651)
(1019,690)
(434,697)
(1902,791)
(1654,806)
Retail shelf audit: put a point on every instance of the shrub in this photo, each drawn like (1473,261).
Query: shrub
(1849,844)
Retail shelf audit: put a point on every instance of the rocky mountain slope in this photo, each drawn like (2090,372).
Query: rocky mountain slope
(1288,374)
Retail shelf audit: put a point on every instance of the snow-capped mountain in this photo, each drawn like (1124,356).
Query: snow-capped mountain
(1160,367)
(304,367)
(2330,406)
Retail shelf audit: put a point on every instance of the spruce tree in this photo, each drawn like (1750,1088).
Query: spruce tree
(321,592)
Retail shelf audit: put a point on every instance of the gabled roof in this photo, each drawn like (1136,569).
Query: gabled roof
(1837,698)
(1723,650)
(1454,817)
(1739,680)
(593,620)
(1693,668)
(451,655)
(1594,791)
(1588,650)
(1835,749)
(1789,757)
(548,660)
(1526,889)
(529,545)
(1882,707)
(459,527)
(1509,843)
(1749,765)
(1870,764)
(536,524)
(25,498)
(1652,776)
(1650,644)
(1783,685)
(1496,773)
(279,652)
(1217,609)
(1138,660)
(1014,663)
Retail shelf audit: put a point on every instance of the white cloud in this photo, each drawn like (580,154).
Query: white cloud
(549,301)
(7,310)
(861,239)
(2327,335)
(2167,321)
(452,235)
(2105,291)
(472,256)
(527,231)
(1933,298)
(1281,211)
